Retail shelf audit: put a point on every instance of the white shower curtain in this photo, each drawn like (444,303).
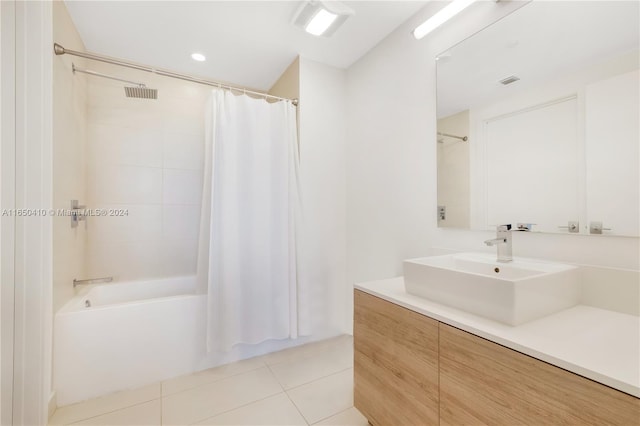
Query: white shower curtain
(247,251)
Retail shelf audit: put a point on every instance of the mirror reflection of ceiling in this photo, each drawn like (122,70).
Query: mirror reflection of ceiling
(546,38)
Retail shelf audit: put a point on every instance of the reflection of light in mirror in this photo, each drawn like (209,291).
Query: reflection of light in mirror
(449,11)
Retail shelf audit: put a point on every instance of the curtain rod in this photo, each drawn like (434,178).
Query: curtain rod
(59,50)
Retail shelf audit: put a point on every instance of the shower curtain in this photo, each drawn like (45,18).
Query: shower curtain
(247,251)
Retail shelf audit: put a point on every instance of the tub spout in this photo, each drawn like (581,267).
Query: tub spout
(92,281)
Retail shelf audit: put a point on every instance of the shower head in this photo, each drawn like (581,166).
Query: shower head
(141,92)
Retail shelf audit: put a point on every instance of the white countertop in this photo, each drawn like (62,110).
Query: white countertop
(595,343)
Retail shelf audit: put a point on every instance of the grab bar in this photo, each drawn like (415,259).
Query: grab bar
(92,281)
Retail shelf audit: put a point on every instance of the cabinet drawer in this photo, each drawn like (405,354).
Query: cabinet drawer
(482,382)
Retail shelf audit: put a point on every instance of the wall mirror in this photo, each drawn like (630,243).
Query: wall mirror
(538,121)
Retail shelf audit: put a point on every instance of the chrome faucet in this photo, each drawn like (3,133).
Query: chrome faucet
(502,243)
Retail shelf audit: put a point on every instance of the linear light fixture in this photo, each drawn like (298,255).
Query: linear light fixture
(321,18)
(449,11)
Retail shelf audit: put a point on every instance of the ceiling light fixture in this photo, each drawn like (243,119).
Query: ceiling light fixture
(449,11)
(321,18)
(320,22)
(198,57)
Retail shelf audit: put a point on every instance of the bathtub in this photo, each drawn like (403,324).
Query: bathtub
(123,335)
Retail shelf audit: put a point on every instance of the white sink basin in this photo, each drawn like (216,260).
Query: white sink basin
(512,293)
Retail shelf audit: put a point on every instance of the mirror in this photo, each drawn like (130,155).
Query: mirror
(538,121)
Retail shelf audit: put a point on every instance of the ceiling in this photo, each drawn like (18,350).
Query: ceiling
(540,41)
(248,43)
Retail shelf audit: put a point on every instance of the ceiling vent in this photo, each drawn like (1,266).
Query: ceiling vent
(509,80)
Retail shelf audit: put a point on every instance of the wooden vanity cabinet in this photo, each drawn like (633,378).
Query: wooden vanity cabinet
(483,383)
(395,363)
(412,370)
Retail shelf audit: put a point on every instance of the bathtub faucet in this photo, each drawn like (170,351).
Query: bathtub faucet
(92,281)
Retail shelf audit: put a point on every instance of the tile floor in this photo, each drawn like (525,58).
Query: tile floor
(306,385)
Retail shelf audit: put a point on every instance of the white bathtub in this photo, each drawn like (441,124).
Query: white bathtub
(132,334)
(117,336)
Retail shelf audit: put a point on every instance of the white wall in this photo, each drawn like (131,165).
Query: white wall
(391,160)
(613,167)
(322,167)
(144,157)
(7,200)
(31,160)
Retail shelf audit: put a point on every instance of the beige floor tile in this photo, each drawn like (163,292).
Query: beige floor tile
(324,397)
(105,404)
(275,410)
(199,403)
(211,375)
(350,417)
(138,415)
(322,363)
(304,351)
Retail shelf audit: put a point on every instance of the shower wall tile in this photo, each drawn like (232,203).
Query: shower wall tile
(126,261)
(106,94)
(112,144)
(183,116)
(101,148)
(181,186)
(179,257)
(127,185)
(139,222)
(147,118)
(181,222)
(183,151)
(147,157)
(137,147)
(195,94)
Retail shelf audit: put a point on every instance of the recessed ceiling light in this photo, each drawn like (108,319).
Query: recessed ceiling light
(198,57)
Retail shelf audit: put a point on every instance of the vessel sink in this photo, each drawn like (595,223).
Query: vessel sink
(512,293)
